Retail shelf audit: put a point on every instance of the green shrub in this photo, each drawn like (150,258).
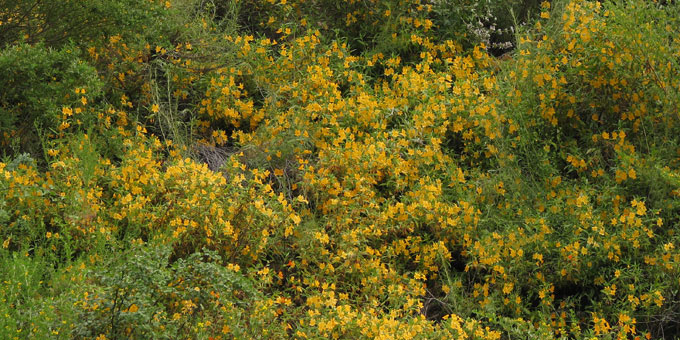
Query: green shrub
(592,93)
(367,26)
(582,81)
(35,298)
(83,21)
(141,294)
(38,83)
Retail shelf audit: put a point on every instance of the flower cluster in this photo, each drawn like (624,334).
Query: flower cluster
(213,183)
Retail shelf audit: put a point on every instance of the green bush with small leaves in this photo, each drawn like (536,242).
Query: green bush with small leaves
(38,82)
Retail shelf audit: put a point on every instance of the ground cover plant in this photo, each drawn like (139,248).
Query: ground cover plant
(312,169)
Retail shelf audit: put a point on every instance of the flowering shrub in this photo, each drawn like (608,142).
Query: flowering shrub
(31,73)
(247,172)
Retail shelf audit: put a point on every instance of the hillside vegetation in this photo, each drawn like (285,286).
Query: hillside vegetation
(356,169)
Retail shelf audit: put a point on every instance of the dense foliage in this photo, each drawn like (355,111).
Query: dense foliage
(314,169)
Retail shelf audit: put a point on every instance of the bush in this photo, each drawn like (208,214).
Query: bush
(364,179)
(492,23)
(55,23)
(41,85)
(367,26)
(593,106)
(142,294)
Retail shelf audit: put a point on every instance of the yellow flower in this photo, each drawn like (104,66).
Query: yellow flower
(67,111)
(507,287)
